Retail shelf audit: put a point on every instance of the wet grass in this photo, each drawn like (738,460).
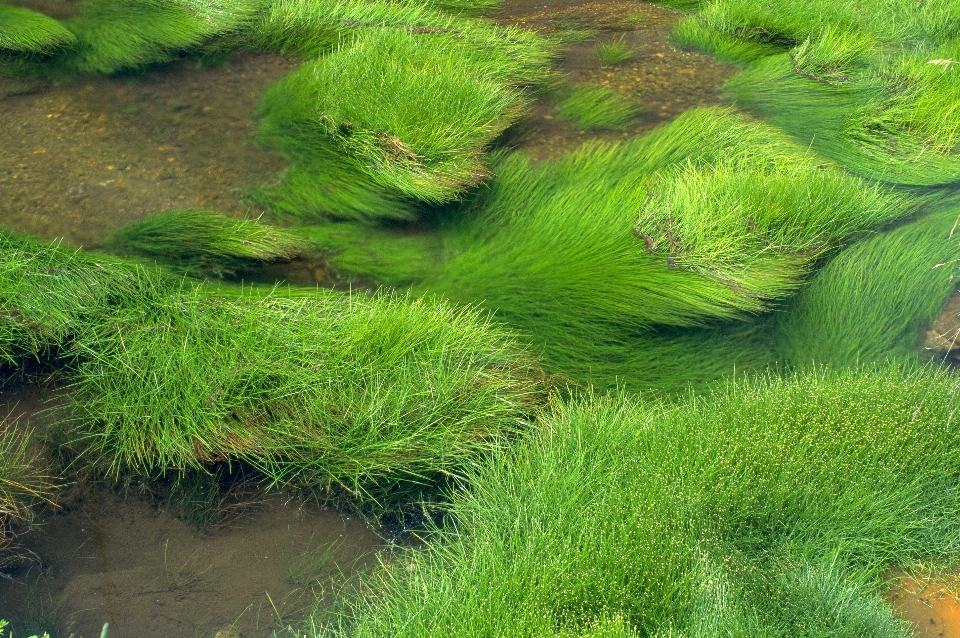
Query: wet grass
(412,113)
(114,35)
(714,217)
(25,482)
(613,52)
(599,108)
(365,399)
(26,31)
(877,94)
(870,303)
(773,508)
(206,242)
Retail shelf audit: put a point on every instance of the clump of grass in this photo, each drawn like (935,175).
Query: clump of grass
(692,33)
(26,31)
(871,301)
(371,400)
(756,228)
(25,482)
(774,507)
(613,52)
(313,27)
(411,112)
(48,293)
(113,35)
(598,107)
(203,241)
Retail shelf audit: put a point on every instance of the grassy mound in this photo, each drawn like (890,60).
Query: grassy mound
(366,397)
(414,113)
(873,85)
(48,294)
(599,107)
(771,509)
(205,241)
(25,31)
(313,27)
(113,35)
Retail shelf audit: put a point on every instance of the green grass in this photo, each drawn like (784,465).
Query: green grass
(313,27)
(872,85)
(25,482)
(613,52)
(114,35)
(26,31)
(413,113)
(48,293)
(203,241)
(871,302)
(371,400)
(598,108)
(774,508)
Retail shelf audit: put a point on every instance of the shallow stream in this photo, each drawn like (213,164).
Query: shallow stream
(82,158)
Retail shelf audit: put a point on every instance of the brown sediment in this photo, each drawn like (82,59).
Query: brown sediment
(943,337)
(933,610)
(78,160)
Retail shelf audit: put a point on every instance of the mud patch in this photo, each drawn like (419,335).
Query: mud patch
(105,557)
(78,160)
(933,610)
(943,337)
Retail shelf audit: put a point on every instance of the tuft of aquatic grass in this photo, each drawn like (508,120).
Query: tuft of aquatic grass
(26,31)
(899,128)
(370,400)
(465,7)
(49,292)
(25,482)
(774,507)
(756,228)
(206,241)
(113,35)
(413,113)
(613,52)
(692,33)
(310,28)
(599,107)
(870,302)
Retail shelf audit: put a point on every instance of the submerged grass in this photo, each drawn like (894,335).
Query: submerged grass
(613,52)
(773,508)
(599,107)
(26,31)
(25,482)
(203,241)
(871,301)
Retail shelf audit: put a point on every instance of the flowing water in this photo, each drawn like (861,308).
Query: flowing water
(81,158)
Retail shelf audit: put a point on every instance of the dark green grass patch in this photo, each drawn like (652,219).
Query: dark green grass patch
(113,35)
(368,399)
(204,241)
(598,107)
(773,508)
(26,31)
